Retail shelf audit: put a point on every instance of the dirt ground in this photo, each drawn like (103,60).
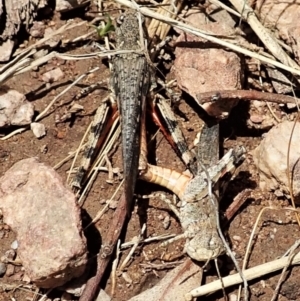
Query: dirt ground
(277,229)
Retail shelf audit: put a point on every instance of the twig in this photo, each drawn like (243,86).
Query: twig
(249,274)
(138,240)
(237,203)
(18,131)
(100,213)
(107,248)
(162,266)
(150,239)
(109,169)
(244,95)
(114,269)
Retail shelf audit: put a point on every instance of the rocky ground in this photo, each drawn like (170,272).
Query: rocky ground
(197,66)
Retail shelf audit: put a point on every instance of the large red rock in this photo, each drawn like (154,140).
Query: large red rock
(46,218)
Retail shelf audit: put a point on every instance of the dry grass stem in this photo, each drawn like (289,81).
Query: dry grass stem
(247,254)
(128,244)
(109,169)
(9,69)
(251,238)
(272,112)
(44,112)
(113,275)
(104,209)
(190,29)
(18,131)
(70,156)
(250,274)
(76,153)
(169,9)
(69,25)
(265,36)
(113,135)
(136,243)
(283,275)
(27,64)
(225,7)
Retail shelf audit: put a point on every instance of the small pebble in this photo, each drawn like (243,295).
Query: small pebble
(38,129)
(66,297)
(52,75)
(26,279)
(278,193)
(14,245)
(291,106)
(10,270)
(126,277)
(113,204)
(160,217)
(37,30)
(258,104)
(2,268)
(255,118)
(236,238)
(10,254)
(166,222)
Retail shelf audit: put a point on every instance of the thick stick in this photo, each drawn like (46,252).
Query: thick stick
(212,96)
(106,251)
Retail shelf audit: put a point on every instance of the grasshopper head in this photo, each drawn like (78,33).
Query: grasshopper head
(205,246)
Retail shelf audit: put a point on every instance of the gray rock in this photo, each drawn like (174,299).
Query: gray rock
(14,108)
(38,129)
(46,218)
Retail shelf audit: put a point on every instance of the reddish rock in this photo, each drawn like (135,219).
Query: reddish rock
(46,218)
(52,75)
(201,66)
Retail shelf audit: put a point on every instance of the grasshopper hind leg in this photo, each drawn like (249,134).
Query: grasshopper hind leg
(98,131)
